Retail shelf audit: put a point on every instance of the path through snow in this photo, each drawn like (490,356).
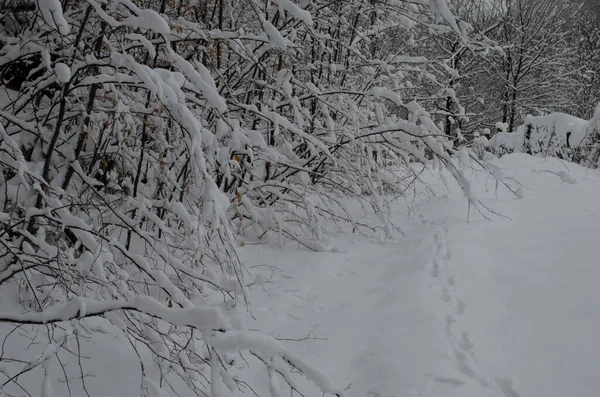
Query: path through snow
(501,307)
(531,283)
(371,304)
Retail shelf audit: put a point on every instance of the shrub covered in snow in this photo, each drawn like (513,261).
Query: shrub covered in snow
(557,135)
(140,139)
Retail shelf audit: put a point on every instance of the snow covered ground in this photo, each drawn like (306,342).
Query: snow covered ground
(457,307)
(505,306)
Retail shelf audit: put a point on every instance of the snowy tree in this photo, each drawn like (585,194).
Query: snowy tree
(586,44)
(463,93)
(529,63)
(531,75)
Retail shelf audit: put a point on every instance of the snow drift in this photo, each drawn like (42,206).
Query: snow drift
(557,135)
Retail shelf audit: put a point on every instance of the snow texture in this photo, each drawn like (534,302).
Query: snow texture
(275,38)
(63,72)
(52,13)
(295,11)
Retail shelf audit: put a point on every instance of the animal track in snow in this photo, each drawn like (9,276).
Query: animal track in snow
(462,349)
(507,388)
(445,294)
(435,269)
(451,381)
(465,342)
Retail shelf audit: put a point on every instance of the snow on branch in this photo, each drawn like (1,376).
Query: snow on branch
(202,318)
(52,13)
